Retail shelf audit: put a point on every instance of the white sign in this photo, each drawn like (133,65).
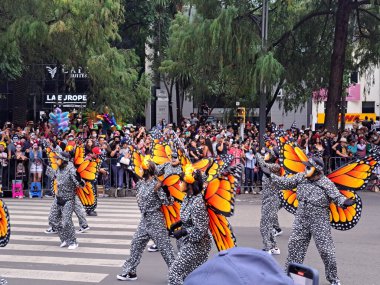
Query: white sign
(237,104)
(73,72)
(67,100)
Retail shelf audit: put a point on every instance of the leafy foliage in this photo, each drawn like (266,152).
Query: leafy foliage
(74,33)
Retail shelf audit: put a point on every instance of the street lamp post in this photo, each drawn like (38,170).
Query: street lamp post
(263,91)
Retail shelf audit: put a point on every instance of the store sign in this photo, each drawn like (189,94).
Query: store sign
(71,72)
(352,95)
(350,117)
(66,100)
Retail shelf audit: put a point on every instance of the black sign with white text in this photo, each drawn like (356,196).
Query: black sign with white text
(66,100)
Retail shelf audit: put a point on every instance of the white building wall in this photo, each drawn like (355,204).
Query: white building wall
(369,91)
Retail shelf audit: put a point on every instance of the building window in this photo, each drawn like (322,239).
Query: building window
(354,78)
(368,107)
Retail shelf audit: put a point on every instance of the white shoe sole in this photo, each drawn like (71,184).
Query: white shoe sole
(126,279)
(64,244)
(152,250)
(274,252)
(83,230)
(73,247)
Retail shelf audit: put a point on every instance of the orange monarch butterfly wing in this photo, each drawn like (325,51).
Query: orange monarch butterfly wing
(221,231)
(354,175)
(345,219)
(220,192)
(292,157)
(87,196)
(171,213)
(54,186)
(289,200)
(136,161)
(86,168)
(5,226)
(218,166)
(175,186)
(203,164)
(161,152)
(52,161)
(79,155)
(183,158)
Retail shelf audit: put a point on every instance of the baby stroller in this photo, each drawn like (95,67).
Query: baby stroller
(18,182)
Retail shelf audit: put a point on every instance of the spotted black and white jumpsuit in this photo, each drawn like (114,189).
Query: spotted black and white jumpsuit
(270,205)
(196,245)
(167,169)
(151,226)
(60,216)
(312,219)
(79,212)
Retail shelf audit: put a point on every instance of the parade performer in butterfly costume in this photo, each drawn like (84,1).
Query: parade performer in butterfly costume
(196,241)
(67,180)
(314,193)
(270,201)
(5,230)
(87,169)
(150,197)
(317,203)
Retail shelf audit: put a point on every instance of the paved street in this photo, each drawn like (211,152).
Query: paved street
(33,257)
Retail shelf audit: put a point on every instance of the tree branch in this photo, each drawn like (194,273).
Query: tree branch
(308,17)
(369,13)
(359,25)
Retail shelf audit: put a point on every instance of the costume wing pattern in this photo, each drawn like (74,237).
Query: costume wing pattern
(176,188)
(219,196)
(5,226)
(348,179)
(88,171)
(87,196)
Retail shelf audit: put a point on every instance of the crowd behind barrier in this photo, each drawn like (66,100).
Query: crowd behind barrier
(23,156)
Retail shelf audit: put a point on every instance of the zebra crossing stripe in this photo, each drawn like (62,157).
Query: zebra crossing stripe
(53,275)
(52,260)
(80,239)
(93,231)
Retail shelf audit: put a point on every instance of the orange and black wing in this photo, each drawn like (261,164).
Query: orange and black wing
(171,213)
(218,166)
(52,161)
(175,186)
(136,161)
(161,152)
(220,192)
(345,219)
(289,200)
(183,158)
(221,231)
(87,196)
(203,164)
(87,169)
(292,157)
(354,175)
(5,226)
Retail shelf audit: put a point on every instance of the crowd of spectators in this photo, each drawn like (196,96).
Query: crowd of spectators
(22,154)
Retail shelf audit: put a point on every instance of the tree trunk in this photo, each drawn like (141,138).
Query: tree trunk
(20,100)
(337,65)
(178,102)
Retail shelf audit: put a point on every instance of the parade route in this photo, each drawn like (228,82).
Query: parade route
(33,257)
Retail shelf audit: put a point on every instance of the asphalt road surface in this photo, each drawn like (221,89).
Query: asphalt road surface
(33,257)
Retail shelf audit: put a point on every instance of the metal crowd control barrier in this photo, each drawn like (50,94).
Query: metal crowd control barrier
(113,176)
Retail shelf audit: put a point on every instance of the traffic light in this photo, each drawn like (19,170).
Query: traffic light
(240,115)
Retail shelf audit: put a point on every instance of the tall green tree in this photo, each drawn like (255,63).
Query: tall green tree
(74,33)
(218,49)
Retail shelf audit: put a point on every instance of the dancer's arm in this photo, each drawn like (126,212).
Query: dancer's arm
(287,182)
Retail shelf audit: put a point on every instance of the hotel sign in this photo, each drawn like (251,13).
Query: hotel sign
(66,100)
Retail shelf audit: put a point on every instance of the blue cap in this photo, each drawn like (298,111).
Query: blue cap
(240,266)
